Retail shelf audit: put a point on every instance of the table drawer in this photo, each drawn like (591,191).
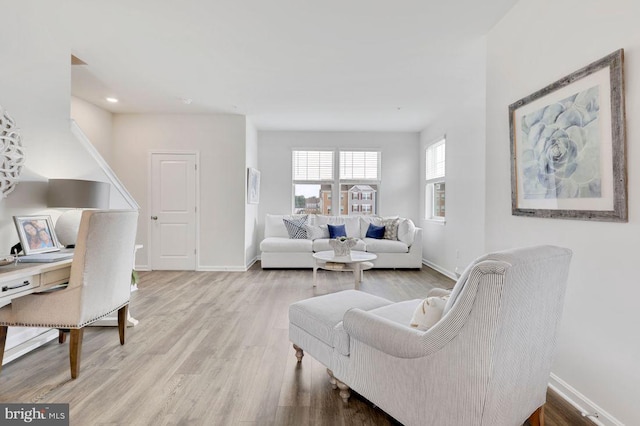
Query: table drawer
(9,288)
(58,276)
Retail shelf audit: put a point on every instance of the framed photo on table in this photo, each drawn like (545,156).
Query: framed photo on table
(568,155)
(36,234)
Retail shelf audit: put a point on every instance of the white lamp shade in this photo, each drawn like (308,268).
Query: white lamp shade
(78,194)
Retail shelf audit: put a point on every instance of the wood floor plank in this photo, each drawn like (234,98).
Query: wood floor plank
(212,348)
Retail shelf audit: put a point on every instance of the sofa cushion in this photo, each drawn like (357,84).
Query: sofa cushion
(322,244)
(385,246)
(376,232)
(296,227)
(351,223)
(397,312)
(365,221)
(336,231)
(391,228)
(285,245)
(317,231)
(406,231)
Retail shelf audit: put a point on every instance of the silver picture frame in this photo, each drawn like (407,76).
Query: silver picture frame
(568,154)
(36,234)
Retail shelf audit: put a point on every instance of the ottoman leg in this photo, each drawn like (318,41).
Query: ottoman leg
(344,391)
(299,352)
(332,380)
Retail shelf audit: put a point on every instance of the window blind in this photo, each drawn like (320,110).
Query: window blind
(435,160)
(360,165)
(312,165)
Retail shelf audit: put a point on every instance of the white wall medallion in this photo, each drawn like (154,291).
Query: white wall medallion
(11,153)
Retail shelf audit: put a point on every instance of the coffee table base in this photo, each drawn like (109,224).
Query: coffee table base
(358,269)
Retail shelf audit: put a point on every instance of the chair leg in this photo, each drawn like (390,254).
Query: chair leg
(344,390)
(299,352)
(537,418)
(332,380)
(122,322)
(3,339)
(75,350)
(62,336)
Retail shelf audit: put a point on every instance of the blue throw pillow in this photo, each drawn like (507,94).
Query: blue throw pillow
(336,231)
(376,232)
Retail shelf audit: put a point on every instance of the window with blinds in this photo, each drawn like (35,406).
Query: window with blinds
(316,185)
(435,160)
(359,165)
(313,177)
(435,181)
(313,166)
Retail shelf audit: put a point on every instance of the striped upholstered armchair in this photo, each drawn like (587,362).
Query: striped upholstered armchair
(486,362)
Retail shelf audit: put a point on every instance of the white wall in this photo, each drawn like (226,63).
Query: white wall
(251,213)
(399,189)
(460,239)
(220,141)
(96,123)
(538,42)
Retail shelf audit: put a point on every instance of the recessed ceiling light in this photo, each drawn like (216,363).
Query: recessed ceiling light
(112,100)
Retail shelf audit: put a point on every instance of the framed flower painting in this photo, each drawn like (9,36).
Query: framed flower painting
(568,146)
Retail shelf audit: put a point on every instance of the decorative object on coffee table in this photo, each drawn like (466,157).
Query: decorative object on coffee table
(342,245)
(12,157)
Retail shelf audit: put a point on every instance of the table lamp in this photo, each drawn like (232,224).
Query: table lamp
(75,195)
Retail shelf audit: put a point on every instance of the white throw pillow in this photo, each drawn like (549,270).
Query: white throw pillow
(315,232)
(296,227)
(391,229)
(406,231)
(428,312)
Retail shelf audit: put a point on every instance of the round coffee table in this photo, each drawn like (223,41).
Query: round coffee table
(357,261)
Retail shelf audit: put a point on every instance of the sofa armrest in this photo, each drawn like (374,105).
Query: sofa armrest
(383,334)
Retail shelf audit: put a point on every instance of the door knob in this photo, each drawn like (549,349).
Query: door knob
(154,217)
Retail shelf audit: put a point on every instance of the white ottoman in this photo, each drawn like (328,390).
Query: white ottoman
(314,323)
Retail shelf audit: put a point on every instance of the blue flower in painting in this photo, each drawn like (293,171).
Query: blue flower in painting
(561,157)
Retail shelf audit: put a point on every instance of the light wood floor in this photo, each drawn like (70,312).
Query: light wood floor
(212,348)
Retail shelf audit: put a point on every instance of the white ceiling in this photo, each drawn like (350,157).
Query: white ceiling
(286,64)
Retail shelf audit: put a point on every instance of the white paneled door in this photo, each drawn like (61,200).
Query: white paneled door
(173,211)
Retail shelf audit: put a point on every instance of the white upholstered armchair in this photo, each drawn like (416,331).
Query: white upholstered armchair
(100,283)
(486,362)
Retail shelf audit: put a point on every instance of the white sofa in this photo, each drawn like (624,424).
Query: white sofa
(280,251)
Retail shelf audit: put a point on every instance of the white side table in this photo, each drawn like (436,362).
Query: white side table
(357,261)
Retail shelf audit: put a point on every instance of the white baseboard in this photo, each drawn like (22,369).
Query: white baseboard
(251,263)
(440,269)
(221,269)
(142,268)
(589,409)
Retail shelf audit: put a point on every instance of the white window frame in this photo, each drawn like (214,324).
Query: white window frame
(337,180)
(363,179)
(320,180)
(435,172)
